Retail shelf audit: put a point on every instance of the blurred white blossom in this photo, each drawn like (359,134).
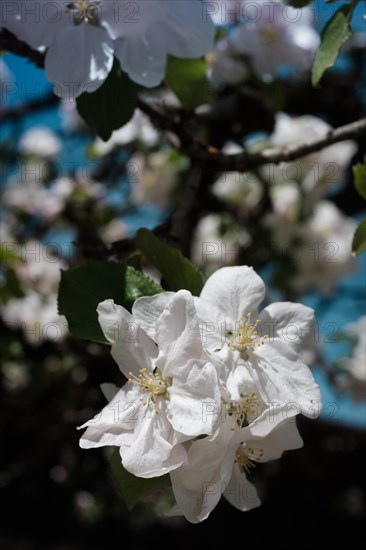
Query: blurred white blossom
(324,256)
(271,36)
(41,142)
(356,363)
(36,315)
(154,176)
(139,128)
(114,231)
(317,172)
(216,242)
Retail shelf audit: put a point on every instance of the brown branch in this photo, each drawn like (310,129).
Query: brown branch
(244,162)
(176,122)
(10,43)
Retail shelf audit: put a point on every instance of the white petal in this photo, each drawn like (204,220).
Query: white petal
(178,334)
(206,455)
(195,399)
(114,425)
(187,31)
(235,291)
(293,323)
(198,486)
(147,309)
(36,22)
(79,60)
(142,59)
(132,19)
(151,453)
(240,492)
(132,348)
(180,29)
(212,324)
(194,505)
(239,382)
(284,437)
(282,377)
(262,426)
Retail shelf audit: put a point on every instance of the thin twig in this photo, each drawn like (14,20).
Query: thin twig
(244,162)
(173,121)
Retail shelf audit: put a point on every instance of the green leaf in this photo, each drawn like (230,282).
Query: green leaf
(359,174)
(83,288)
(177,271)
(110,107)
(134,488)
(359,239)
(187,78)
(335,33)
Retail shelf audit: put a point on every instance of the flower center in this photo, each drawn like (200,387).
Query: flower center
(85,11)
(270,35)
(152,385)
(248,405)
(247,458)
(246,336)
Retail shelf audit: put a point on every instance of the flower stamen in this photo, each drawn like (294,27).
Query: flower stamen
(85,11)
(270,35)
(246,406)
(151,384)
(246,458)
(246,336)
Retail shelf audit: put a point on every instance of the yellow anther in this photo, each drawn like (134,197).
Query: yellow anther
(245,336)
(247,458)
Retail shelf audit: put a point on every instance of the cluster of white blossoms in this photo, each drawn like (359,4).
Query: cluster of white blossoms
(213,388)
(355,364)
(35,312)
(82,37)
(301,222)
(270,36)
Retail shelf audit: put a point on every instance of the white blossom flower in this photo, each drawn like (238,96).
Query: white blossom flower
(139,128)
(219,464)
(317,172)
(37,316)
(36,313)
(114,231)
(40,269)
(71,120)
(40,142)
(356,363)
(170,383)
(225,64)
(324,255)
(241,190)
(34,198)
(28,193)
(82,37)
(266,344)
(271,36)
(154,176)
(224,12)
(216,242)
